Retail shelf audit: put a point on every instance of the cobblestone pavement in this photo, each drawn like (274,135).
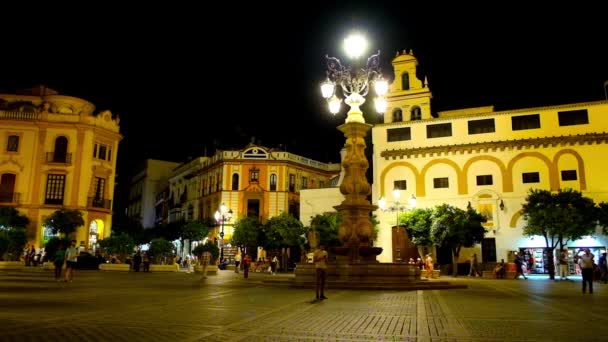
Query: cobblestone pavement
(117,307)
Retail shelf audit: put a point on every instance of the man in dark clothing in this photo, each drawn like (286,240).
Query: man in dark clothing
(519,263)
(137,261)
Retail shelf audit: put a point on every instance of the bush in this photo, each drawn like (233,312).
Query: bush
(121,245)
(12,243)
(207,247)
(159,249)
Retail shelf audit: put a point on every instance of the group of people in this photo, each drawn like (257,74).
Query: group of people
(426,264)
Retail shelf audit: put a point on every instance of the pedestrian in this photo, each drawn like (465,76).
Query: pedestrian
(246,265)
(273,264)
(586,263)
(320,260)
(519,264)
(428,265)
(71,261)
(563,265)
(146,260)
(137,261)
(237,262)
(603,265)
(205,260)
(474,271)
(59,260)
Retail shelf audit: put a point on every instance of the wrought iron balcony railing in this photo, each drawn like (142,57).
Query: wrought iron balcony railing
(94,202)
(10,197)
(61,158)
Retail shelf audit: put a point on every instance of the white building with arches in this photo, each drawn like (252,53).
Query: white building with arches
(487,159)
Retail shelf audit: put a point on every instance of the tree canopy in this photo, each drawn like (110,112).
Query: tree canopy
(326,225)
(247,231)
(418,224)
(64,221)
(12,218)
(283,231)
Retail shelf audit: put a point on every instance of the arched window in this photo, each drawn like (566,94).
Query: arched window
(61,150)
(416,113)
(405,81)
(397,115)
(235,181)
(273,182)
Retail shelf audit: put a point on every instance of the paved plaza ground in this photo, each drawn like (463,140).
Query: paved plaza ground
(115,307)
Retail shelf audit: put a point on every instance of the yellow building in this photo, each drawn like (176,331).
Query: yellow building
(485,158)
(255,181)
(56,153)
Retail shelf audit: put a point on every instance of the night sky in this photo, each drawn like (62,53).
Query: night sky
(188,79)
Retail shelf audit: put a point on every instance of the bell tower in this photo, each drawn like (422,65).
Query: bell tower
(408,97)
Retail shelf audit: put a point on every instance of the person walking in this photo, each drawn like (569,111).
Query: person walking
(71,261)
(237,262)
(474,271)
(563,265)
(58,260)
(586,263)
(146,260)
(519,264)
(320,260)
(273,264)
(205,260)
(137,261)
(603,268)
(246,265)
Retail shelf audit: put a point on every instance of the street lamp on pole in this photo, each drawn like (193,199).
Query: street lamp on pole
(398,206)
(356,229)
(221,216)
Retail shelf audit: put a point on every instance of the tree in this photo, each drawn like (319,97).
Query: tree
(52,246)
(326,225)
(121,245)
(418,223)
(64,221)
(282,232)
(602,216)
(159,249)
(247,233)
(455,228)
(13,236)
(193,231)
(558,218)
(12,218)
(207,247)
(131,226)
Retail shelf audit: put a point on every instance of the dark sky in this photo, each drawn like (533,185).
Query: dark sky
(186,76)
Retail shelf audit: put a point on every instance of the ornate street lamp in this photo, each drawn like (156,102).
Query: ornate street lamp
(356,229)
(397,206)
(221,216)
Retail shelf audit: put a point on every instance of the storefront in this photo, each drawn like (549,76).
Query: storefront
(536,260)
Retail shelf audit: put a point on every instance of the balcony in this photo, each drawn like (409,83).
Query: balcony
(18,115)
(59,158)
(94,202)
(10,197)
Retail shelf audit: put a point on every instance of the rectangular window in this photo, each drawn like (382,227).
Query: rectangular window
(103,152)
(12,143)
(398,134)
(439,130)
(573,117)
(400,184)
(321,184)
(530,177)
(292,183)
(439,183)
(481,126)
(569,175)
(100,185)
(254,175)
(304,182)
(55,185)
(523,122)
(484,180)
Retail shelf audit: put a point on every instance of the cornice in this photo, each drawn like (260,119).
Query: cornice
(531,110)
(494,146)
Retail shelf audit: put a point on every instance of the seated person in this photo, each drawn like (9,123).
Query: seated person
(499,270)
